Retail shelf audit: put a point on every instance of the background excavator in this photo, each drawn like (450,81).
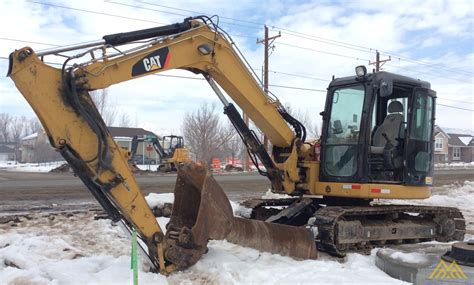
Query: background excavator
(170,150)
(377,143)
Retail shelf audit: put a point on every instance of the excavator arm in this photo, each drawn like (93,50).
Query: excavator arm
(60,98)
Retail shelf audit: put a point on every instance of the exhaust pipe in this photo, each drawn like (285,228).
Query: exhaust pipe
(202,211)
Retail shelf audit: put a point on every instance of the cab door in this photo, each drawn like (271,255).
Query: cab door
(419,138)
(341,144)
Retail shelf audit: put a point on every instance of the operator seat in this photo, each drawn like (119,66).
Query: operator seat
(390,126)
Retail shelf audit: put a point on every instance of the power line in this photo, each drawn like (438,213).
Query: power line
(96,12)
(272,85)
(313,37)
(28,42)
(273,71)
(325,52)
(173,13)
(360,48)
(459,101)
(433,65)
(298,88)
(190,11)
(429,73)
(459,108)
(296,75)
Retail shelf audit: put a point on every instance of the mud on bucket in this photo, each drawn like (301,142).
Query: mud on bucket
(201,211)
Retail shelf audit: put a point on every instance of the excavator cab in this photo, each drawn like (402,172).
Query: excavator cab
(378,128)
(171,143)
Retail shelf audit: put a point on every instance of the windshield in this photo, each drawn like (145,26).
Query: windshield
(343,130)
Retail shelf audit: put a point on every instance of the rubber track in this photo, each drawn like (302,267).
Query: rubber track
(327,218)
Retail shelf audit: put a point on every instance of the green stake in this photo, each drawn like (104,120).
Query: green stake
(134,257)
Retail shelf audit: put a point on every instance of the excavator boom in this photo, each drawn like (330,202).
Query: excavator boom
(377,143)
(75,128)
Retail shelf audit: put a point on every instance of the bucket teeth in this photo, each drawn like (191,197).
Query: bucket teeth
(202,211)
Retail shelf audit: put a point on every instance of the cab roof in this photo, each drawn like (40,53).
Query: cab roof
(395,78)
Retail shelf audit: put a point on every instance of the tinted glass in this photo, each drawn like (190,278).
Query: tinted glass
(343,131)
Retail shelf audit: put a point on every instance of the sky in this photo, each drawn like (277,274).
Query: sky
(428,40)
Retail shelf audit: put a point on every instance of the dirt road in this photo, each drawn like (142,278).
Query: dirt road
(40,191)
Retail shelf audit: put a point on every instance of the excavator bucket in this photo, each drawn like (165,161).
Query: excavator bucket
(202,211)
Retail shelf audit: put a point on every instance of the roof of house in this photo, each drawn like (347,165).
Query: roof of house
(6,149)
(128,132)
(29,137)
(438,130)
(461,140)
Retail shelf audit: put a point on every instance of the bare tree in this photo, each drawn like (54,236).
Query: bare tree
(205,134)
(124,120)
(5,122)
(308,121)
(106,107)
(234,144)
(17,128)
(33,126)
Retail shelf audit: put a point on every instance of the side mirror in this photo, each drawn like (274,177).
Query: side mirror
(337,127)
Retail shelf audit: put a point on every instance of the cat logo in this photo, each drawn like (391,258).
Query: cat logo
(445,272)
(153,61)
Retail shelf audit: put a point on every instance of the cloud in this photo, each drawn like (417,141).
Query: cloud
(400,27)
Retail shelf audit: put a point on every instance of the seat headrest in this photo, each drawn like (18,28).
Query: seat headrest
(395,107)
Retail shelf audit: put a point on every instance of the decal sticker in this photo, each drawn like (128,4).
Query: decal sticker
(153,61)
(428,180)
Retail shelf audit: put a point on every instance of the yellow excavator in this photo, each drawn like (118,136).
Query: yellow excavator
(170,150)
(377,143)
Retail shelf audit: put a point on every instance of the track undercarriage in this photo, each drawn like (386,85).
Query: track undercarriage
(341,229)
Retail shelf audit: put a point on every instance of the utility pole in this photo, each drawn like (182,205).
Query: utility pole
(379,63)
(267,42)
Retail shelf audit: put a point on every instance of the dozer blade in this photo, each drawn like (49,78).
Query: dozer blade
(202,211)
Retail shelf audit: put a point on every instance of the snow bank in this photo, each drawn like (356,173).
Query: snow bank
(80,250)
(407,257)
(270,195)
(227,263)
(40,254)
(145,167)
(454,165)
(30,167)
(450,196)
(158,200)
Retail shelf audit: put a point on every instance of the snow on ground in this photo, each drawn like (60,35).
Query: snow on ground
(460,196)
(81,250)
(29,167)
(406,257)
(148,167)
(456,165)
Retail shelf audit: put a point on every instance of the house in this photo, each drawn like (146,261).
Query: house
(7,152)
(124,136)
(36,147)
(450,147)
(441,153)
(461,147)
(27,148)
